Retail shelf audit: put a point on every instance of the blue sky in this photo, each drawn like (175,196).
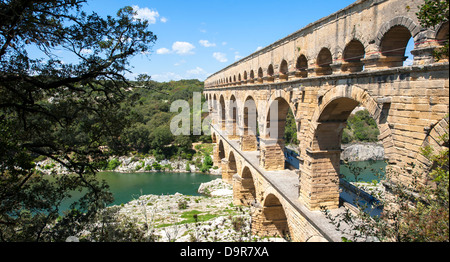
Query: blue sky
(197,38)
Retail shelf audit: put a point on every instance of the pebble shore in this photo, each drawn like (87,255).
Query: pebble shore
(180,218)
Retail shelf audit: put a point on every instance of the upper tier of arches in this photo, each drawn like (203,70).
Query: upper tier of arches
(356,54)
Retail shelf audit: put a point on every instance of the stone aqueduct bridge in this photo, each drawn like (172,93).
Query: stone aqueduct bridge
(351,58)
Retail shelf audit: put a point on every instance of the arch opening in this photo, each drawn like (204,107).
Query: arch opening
(230,169)
(220,152)
(324,60)
(281,131)
(394,45)
(270,70)
(353,53)
(271,220)
(250,136)
(344,121)
(284,70)
(442,38)
(302,66)
(232,130)
(222,112)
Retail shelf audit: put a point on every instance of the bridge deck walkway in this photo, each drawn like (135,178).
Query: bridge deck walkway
(286,183)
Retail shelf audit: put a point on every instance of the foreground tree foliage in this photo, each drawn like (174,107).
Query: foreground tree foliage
(69,112)
(414,212)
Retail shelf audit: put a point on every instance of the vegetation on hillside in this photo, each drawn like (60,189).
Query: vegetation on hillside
(361,127)
(150,115)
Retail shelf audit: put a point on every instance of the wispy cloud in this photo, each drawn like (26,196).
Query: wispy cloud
(167,76)
(221,57)
(206,43)
(180,48)
(183,48)
(162,51)
(145,14)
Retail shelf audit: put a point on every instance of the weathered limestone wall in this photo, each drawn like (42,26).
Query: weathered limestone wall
(352,58)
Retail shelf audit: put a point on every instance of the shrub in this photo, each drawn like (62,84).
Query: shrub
(156,166)
(113,164)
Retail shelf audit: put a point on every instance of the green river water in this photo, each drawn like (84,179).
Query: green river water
(126,187)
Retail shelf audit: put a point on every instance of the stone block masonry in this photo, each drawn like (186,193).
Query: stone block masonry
(321,73)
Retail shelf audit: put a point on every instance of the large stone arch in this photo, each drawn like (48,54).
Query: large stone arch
(435,142)
(393,38)
(413,28)
(272,139)
(229,167)
(244,189)
(271,219)
(319,181)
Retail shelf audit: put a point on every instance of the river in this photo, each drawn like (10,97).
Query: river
(126,187)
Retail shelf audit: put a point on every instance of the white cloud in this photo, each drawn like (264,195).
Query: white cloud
(259,48)
(163,51)
(224,43)
(237,57)
(183,48)
(180,48)
(145,14)
(196,71)
(206,43)
(163,20)
(221,57)
(86,51)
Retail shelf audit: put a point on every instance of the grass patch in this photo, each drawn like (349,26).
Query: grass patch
(194,216)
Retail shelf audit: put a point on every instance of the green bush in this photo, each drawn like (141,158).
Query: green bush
(361,127)
(156,166)
(113,164)
(207,163)
(188,167)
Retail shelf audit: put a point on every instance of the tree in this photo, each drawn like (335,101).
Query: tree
(73,113)
(434,13)
(413,212)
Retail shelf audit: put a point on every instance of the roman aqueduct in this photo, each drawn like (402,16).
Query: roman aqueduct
(354,57)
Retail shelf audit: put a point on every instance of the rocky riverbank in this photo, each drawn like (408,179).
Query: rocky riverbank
(362,152)
(181,218)
(134,164)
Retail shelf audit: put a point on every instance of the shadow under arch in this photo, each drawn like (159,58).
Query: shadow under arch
(271,220)
(244,190)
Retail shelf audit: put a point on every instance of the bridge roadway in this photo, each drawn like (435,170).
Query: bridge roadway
(286,183)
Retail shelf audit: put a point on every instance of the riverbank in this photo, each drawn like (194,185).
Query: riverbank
(135,164)
(362,152)
(180,218)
